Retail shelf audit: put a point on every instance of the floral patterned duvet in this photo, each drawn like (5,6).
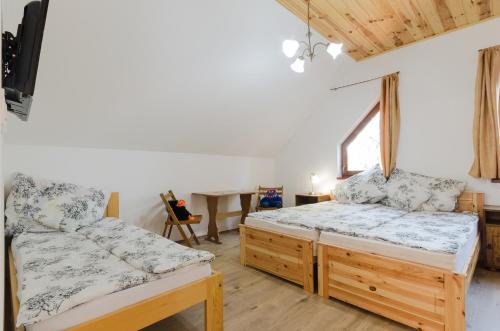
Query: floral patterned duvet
(443,232)
(57,270)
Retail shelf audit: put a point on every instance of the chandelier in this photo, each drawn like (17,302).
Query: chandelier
(292,47)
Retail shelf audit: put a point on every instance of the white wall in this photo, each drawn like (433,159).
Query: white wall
(188,76)
(141,176)
(437,98)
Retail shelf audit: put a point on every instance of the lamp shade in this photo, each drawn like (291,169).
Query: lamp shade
(298,65)
(290,47)
(334,49)
(315,179)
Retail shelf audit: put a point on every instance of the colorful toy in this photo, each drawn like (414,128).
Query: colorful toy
(271,200)
(180,210)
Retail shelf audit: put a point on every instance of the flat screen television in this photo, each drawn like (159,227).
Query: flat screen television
(20,55)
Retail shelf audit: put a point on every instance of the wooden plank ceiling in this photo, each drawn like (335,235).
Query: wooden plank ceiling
(372,27)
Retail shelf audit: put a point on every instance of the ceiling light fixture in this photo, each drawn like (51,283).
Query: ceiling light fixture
(292,47)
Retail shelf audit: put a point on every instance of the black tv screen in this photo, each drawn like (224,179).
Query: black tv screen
(21,54)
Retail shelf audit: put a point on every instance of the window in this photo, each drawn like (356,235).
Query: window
(361,149)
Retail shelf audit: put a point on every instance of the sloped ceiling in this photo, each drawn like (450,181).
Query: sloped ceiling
(178,76)
(372,27)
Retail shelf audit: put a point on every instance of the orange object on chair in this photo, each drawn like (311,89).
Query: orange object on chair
(172,220)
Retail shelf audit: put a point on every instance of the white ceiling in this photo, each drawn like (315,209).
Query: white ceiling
(179,76)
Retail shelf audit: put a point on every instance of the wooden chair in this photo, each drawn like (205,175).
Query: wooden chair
(262,192)
(173,221)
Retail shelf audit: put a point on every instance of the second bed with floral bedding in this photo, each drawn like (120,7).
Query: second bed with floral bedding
(447,235)
(408,211)
(443,232)
(405,248)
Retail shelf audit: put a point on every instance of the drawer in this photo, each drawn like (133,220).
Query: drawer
(493,246)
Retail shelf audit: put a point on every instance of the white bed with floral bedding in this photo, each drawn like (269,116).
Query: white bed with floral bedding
(410,216)
(59,272)
(442,239)
(73,266)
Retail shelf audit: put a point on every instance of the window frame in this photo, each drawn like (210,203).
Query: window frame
(344,173)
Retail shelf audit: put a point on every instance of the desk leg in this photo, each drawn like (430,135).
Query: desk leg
(245,201)
(213,232)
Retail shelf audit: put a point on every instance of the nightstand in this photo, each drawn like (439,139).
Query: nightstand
(492,237)
(306,199)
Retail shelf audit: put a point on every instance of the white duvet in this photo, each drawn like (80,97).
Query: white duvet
(441,232)
(57,270)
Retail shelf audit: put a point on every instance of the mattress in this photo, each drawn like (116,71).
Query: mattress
(446,236)
(111,302)
(454,262)
(439,232)
(292,230)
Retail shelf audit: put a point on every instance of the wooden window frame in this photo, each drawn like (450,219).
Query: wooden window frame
(350,138)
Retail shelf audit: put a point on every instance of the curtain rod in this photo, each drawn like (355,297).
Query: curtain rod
(361,82)
(482,49)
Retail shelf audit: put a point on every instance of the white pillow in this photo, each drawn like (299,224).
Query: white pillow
(61,206)
(15,226)
(404,191)
(365,187)
(445,193)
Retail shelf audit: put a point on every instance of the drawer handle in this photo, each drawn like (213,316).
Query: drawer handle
(373,288)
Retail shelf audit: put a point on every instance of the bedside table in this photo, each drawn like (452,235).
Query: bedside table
(306,199)
(492,237)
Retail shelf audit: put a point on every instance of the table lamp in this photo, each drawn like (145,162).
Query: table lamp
(314,180)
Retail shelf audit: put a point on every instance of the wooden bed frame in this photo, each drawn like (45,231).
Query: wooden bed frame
(149,311)
(420,296)
(285,256)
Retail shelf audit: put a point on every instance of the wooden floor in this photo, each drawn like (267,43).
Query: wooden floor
(256,301)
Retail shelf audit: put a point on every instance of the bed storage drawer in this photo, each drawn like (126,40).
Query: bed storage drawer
(493,246)
(422,297)
(285,256)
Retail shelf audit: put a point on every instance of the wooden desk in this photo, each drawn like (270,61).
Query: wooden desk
(212,203)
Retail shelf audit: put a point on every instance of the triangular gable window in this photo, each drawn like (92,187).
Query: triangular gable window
(361,149)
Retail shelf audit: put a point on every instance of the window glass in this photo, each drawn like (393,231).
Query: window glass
(364,151)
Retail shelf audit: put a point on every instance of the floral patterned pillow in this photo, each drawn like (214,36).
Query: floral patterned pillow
(445,193)
(405,191)
(15,226)
(365,187)
(57,205)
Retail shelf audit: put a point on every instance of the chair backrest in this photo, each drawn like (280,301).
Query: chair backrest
(263,190)
(166,197)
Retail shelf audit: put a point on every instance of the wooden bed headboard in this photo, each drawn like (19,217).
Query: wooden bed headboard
(113,208)
(472,201)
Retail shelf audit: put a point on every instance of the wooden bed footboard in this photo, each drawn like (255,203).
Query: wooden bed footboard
(422,297)
(285,256)
(149,311)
